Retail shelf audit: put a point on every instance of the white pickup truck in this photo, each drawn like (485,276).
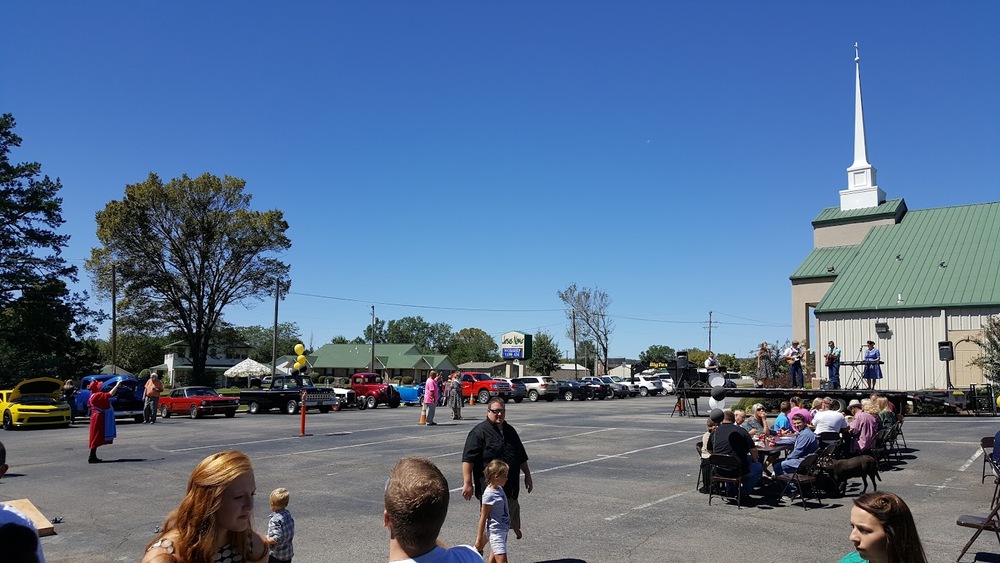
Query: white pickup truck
(648,384)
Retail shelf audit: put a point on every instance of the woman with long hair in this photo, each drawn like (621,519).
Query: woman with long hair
(765,366)
(214,520)
(883,531)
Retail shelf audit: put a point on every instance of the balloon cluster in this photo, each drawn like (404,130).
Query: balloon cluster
(300,366)
(718,399)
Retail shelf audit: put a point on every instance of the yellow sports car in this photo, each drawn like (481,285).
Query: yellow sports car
(34,402)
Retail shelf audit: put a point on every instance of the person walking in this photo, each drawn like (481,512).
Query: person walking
(453,391)
(493,439)
(151,398)
(431,394)
(102,418)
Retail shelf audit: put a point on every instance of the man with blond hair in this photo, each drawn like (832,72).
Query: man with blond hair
(416,504)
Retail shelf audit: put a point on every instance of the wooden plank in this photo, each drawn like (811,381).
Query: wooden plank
(45,528)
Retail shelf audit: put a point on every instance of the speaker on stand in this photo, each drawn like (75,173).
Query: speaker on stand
(681,384)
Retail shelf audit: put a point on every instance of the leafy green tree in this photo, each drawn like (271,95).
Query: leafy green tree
(588,309)
(658,353)
(380,333)
(135,351)
(989,360)
(184,251)
(340,339)
(261,339)
(44,327)
(472,345)
(428,338)
(544,354)
(40,336)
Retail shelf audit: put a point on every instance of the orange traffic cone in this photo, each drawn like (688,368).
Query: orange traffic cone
(423,414)
(472,400)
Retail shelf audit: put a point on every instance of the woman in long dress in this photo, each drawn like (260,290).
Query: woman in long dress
(765,366)
(873,370)
(454,397)
(101,429)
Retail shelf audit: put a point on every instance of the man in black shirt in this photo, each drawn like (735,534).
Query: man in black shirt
(493,439)
(733,440)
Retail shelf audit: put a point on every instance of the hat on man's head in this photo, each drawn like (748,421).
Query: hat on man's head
(95,386)
(854,403)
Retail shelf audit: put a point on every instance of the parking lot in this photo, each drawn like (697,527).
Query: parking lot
(614,481)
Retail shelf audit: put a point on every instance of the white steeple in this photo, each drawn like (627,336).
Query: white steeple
(862,191)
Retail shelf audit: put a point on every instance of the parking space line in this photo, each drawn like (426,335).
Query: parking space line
(644,506)
(971,460)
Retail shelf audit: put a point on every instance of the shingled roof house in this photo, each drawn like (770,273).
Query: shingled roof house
(904,279)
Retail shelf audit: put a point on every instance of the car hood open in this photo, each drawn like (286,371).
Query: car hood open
(38,387)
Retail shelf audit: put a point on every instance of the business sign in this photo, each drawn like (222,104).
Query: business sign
(515,346)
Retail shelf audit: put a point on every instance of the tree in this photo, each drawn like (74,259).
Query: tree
(340,339)
(43,326)
(380,333)
(544,354)
(186,250)
(135,351)
(586,351)
(989,361)
(261,339)
(472,345)
(658,353)
(428,338)
(40,335)
(589,309)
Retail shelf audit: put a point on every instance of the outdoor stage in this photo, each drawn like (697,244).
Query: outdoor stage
(687,397)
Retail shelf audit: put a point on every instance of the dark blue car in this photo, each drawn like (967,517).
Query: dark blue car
(126,403)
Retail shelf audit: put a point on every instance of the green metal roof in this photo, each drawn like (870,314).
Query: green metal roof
(942,257)
(440,362)
(820,261)
(891,209)
(356,356)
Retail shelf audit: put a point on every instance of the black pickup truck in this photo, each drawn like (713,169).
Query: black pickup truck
(285,393)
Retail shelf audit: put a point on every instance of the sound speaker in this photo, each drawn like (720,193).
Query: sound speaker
(682,360)
(946,352)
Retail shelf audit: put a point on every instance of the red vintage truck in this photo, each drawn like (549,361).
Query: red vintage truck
(371,389)
(482,386)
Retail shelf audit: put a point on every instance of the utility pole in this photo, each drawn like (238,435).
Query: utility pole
(373,340)
(576,363)
(114,320)
(709,327)
(274,333)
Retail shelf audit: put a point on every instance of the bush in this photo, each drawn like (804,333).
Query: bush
(407,380)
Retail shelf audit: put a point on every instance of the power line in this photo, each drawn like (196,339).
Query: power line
(437,307)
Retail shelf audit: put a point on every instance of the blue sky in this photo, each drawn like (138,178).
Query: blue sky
(464,161)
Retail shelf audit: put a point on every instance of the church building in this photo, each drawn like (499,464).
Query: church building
(909,280)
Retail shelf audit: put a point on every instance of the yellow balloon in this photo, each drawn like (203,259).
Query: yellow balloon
(297,366)
(299,349)
(301,360)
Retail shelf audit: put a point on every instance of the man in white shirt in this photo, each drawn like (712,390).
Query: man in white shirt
(711,363)
(828,420)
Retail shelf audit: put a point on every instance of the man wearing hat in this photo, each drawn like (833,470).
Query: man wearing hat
(793,357)
(863,428)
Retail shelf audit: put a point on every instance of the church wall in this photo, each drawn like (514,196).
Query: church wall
(844,235)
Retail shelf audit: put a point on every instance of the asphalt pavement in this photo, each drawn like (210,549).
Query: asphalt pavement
(614,481)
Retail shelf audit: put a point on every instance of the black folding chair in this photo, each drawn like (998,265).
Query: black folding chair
(980,524)
(725,469)
(986,444)
(698,445)
(805,474)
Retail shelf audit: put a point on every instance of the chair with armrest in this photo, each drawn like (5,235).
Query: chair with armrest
(725,469)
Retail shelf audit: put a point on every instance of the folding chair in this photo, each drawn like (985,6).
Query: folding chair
(804,475)
(697,485)
(899,431)
(986,443)
(996,481)
(980,524)
(725,469)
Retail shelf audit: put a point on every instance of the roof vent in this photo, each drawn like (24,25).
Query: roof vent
(942,265)
(899,258)
(830,269)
